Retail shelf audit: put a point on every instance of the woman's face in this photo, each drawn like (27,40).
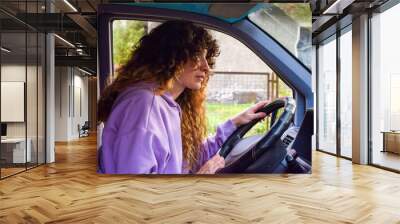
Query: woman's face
(194,73)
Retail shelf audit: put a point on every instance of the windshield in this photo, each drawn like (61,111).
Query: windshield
(289,24)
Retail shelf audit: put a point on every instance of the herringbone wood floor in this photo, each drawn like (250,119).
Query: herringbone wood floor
(70,191)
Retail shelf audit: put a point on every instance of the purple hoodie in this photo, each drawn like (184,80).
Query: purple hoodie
(143,135)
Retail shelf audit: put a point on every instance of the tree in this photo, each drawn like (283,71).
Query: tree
(126,34)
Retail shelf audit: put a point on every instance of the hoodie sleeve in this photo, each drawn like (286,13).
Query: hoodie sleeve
(212,144)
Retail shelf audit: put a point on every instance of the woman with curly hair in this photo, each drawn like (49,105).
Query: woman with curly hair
(153,112)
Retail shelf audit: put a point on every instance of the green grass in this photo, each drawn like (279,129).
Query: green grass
(218,113)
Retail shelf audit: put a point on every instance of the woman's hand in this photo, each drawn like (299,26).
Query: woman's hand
(211,166)
(250,114)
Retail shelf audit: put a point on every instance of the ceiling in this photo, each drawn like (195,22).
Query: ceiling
(76,25)
(75,21)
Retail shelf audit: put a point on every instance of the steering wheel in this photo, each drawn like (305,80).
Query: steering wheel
(257,146)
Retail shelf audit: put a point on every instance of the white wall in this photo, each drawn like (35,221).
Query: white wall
(33,126)
(12,73)
(237,57)
(80,100)
(71,93)
(61,103)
